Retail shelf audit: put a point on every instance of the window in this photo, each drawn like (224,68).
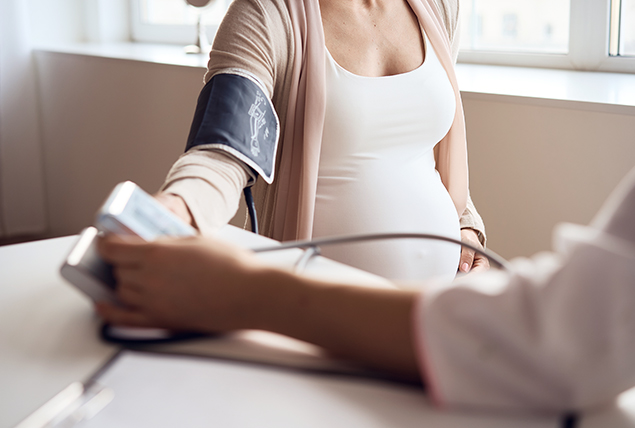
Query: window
(515,25)
(174,21)
(622,28)
(570,34)
(575,34)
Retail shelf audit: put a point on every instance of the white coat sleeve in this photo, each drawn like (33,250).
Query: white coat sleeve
(556,333)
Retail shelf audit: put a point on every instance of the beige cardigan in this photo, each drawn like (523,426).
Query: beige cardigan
(260,37)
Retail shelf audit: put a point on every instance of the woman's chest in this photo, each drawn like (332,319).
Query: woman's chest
(383,39)
(408,113)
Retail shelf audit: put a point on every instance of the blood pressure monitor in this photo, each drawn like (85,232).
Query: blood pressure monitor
(127,211)
(131,211)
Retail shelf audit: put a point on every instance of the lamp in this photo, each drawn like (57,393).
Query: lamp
(202,43)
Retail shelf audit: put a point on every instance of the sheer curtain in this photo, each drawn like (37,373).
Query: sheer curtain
(22,195)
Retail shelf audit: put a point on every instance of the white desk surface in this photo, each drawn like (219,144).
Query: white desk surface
(48,339)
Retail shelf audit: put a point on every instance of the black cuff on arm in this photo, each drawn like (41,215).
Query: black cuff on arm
(234,115)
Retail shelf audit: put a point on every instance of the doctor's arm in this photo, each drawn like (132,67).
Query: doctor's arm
(535,338)
(207,285)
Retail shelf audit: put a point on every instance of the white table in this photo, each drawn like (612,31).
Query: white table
(47,331)
(48,339)
(48,328)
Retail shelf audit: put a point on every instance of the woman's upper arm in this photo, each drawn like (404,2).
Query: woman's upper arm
(252,38)
(249,41)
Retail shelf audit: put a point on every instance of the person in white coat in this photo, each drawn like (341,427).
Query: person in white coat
(555,332)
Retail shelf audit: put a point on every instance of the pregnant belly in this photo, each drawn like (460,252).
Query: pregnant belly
(401,199)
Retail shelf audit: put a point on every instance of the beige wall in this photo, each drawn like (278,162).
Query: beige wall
(532,164)
(106,121)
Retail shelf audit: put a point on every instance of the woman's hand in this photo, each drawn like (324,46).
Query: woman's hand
(470,260)
(177,205)
(191,284)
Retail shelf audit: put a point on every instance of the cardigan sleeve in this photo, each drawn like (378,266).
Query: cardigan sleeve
(210,182)
(471,219)
(255,36)
(449,11)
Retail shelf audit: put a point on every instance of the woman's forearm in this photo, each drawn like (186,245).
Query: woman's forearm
(210,184)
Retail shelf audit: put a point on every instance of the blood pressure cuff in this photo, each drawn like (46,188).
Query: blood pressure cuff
(234,115)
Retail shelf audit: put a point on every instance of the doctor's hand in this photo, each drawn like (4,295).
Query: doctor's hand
(470,260)
(192,284)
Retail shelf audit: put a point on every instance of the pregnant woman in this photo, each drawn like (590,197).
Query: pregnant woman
(346,116)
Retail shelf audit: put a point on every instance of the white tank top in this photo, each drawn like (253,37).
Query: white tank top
(377,170)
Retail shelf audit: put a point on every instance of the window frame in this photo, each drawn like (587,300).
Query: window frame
(589,33)
(589,27)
